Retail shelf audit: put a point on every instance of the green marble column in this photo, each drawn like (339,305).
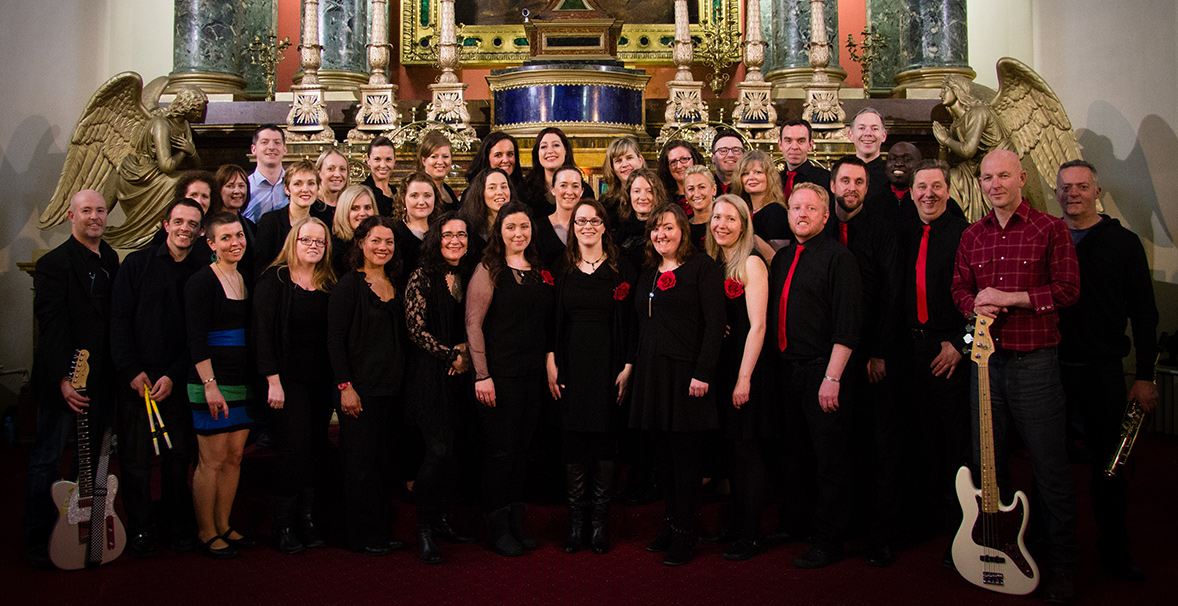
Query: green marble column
(259,19)
(785,26)
(205,45)
(934,42)
(884,18)
(343,33)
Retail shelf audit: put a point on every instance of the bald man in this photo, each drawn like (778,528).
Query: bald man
(71,303)
(868,134)
(1019,265)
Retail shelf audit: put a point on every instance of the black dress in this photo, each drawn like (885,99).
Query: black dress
(772,223)
(631,239)
(592,345)
(384,204)
(437,324)
(681,326)
(755,418)
(408,246)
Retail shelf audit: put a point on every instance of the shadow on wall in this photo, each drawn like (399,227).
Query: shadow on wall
(30,164)
(1136,185)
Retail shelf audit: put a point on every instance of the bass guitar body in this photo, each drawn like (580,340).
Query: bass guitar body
(70,544)
(988,549)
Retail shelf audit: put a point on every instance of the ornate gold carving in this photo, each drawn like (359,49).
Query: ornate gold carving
(269,53)
(823,109)
(570,78)
(496,44)
(867,52)
(378,99)
(719,47)
(572,128)
(307,120)
(128,148)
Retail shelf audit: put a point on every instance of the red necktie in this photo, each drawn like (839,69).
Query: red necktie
(785,298)
(789,183)
(843,234)
(921,290)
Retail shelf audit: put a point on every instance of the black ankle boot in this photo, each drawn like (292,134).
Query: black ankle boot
(663,541)
(679,552)
(574,482)
(499,537)
(521,535)
(283,516)
(603,487)
(427,547)
(307,529)
(443,531)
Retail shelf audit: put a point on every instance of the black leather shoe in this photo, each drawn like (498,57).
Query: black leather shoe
(286,542)
(1124,569)
(443,531)
(817,558)
(679,552)
(395,545)
(723,537)
(228,552)
(516,524)
(377,551)
(427,547)
(310,535)
(663,541)
(781,537)
(39,557)
(142,545)
(881,556)
(1058,588)
(499,537)
(742,550)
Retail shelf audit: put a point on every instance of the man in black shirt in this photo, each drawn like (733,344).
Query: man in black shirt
(813,326)
(1116,289)
(727,148)
(149,349)
(796,142)
(871,240)
(935,383)
(897,207)
(71,302)
(868,133)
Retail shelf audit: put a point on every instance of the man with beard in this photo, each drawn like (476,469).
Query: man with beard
(812,328)
(1117,289)
(149,349)
(71,302)
(796,142)
(727,148)
(868,134)
(935,383)
(876,420)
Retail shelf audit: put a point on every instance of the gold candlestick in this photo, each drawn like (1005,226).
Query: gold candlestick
(268,54)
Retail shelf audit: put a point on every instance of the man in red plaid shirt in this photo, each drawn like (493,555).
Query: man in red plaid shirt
(1019,265)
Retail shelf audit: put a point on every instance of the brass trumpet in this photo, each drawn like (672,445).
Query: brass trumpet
(1130,425)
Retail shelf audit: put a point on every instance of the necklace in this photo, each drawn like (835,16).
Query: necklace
(236,292)
(593,264)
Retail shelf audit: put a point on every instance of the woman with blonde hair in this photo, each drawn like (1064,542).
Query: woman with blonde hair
(356,203)
(745,414)
(699,189)
(622,157)
(290,322)
(757,181)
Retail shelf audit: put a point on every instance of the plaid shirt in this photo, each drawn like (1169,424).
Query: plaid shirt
(1033,253)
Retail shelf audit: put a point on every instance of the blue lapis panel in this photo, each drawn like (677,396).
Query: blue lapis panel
(568,103)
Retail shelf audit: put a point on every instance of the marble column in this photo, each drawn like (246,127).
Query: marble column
(934,43)
(884,17)
(343,34)
(259,19)
(787,61)
(207,35)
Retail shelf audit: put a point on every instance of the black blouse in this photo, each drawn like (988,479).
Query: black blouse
(365,337)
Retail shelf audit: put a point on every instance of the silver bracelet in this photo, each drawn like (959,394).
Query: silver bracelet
(830,378)
(210,380)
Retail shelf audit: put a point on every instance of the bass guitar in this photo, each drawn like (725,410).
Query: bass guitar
(88,532)
(988,549)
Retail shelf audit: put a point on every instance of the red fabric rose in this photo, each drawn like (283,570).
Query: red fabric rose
(666,281)
(733,288)
(547,277)
(621,291)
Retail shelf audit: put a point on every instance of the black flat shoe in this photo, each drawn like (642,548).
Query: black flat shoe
(228,552)
(881,556)
(377,551)
(817,558)
(142,545)
(242,542)
(742,550)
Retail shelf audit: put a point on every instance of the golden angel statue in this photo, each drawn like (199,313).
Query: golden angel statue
(1024,116)
(129,148)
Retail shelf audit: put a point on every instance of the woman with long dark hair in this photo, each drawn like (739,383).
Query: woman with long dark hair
(551,151)
(366,342)
(746,415)
(498,150)
(507,308)
(552,234)
(438,398)
(589,366)
(290,321)
(487,193)
(217,312)
(642,194)
(381,158)
(676,157)
(680,306)
(418,196)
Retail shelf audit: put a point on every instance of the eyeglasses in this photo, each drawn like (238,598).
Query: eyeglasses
(685,161)
(309,242)
(448,235)
(728,151)
(582,222)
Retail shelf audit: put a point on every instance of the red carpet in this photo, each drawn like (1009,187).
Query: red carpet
(627,575)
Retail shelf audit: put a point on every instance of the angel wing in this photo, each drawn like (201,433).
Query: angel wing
(1037,121)
(111,122)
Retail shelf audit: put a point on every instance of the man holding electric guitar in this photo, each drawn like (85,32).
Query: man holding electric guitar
(71,303)
(1018,266)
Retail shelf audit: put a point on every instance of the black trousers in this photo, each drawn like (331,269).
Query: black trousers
(938,439)
(1096,397)
(680,461)
(508,429)
(817,462)
(750,485)
(587,446)
(366,445)
(300,429)
(877,421)
(136,451)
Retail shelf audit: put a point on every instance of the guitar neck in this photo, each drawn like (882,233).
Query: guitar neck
(991,501)
(85,470)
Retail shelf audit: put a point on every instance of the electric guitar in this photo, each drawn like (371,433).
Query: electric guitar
(88,532)
(988,549)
